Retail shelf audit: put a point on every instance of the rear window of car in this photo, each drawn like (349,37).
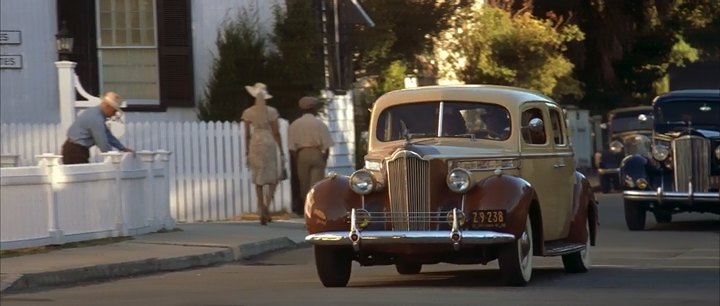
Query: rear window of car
(459,119)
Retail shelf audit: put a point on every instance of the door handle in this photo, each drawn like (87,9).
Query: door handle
(558,165)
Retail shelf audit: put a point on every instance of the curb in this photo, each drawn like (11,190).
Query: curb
(30,281)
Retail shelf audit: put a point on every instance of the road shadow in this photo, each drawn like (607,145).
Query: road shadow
(686,226)
(596,278)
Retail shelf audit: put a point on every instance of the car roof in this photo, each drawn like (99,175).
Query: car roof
(510,97)
(688,93)
(630,109)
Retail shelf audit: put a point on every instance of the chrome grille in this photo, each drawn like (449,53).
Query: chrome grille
(408,184)
(691,157)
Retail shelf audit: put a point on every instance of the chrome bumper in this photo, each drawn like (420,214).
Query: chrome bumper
(608,170)
(409,237)
(660,196)
(356,237)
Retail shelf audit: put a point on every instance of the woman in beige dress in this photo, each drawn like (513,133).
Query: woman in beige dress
(263,141)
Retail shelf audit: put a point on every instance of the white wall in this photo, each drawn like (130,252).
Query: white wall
(30,94)
(206,19)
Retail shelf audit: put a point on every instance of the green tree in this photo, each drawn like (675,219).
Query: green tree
(488,45)
(295,66)
(240,60)
(631,44)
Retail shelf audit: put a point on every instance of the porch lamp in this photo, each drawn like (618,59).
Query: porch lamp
(64,42)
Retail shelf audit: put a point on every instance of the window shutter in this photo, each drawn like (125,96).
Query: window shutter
(175,53)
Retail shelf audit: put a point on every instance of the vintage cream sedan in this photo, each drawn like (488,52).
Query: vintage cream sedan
(457,174)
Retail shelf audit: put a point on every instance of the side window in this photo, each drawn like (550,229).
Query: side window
(529,135)
(556,121)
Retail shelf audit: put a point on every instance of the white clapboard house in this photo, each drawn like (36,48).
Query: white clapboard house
(158,55)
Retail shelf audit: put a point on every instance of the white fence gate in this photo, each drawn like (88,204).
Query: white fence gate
(209,179)
(54,204)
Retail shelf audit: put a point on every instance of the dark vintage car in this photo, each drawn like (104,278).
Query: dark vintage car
(456,174)
(682,173)
(628,130)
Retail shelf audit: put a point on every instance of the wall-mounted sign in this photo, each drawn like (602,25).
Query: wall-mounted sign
(10,61)
(10,38)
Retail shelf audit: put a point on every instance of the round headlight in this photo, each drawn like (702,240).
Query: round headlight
(459,180)
(717,152)
(660,152)
(460,215)
(362,218)
(362,182)
(616,147)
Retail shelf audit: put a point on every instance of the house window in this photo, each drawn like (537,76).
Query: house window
(128,49)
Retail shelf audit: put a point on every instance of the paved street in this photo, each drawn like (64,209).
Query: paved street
(671,264)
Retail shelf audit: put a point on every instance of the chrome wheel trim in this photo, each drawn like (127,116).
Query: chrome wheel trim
(585,254)
(525,250)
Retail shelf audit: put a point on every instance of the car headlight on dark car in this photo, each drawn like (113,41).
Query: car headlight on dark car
(660,152)
(616,147)
(459,180)
(362,182)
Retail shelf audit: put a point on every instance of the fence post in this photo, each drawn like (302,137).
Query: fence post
(66,89)
(147,158)
(50,162)
(163,198)
(115,158)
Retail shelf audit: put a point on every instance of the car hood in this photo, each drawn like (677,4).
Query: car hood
(707,133)
(446,149)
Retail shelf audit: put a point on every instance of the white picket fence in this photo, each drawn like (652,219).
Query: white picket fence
(209,180)
(51,203)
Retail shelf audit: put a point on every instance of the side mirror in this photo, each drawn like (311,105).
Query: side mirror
(536,125)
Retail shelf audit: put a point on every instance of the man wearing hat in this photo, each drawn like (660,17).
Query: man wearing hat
(89,129)
(309,143)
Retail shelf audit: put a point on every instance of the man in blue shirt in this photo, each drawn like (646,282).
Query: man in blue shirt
(89,129)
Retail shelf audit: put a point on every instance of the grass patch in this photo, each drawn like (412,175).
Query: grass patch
(55,247)
(172,230)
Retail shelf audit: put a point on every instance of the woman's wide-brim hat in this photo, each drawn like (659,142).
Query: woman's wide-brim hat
(257,89)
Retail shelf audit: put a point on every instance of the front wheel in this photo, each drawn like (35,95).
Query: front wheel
(634,215)
(579,262)
(515,259)
(334,265)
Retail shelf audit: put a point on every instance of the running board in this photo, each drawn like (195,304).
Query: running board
(562,248)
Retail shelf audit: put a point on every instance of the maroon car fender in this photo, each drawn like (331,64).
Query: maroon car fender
(584,209)
(327,204)
(509,193)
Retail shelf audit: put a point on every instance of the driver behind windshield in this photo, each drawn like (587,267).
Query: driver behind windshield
(497,123)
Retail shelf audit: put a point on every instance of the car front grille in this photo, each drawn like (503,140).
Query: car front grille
(691,156)
(408,184)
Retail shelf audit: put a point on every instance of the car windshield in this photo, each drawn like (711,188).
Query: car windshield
(629,121)
(695,113)
(459,119)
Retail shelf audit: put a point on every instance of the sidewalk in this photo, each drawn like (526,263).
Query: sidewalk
(197,245)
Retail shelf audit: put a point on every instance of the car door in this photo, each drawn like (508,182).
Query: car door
(537,166)
(563,168)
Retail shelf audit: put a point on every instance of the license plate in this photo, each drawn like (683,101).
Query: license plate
(492,218)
